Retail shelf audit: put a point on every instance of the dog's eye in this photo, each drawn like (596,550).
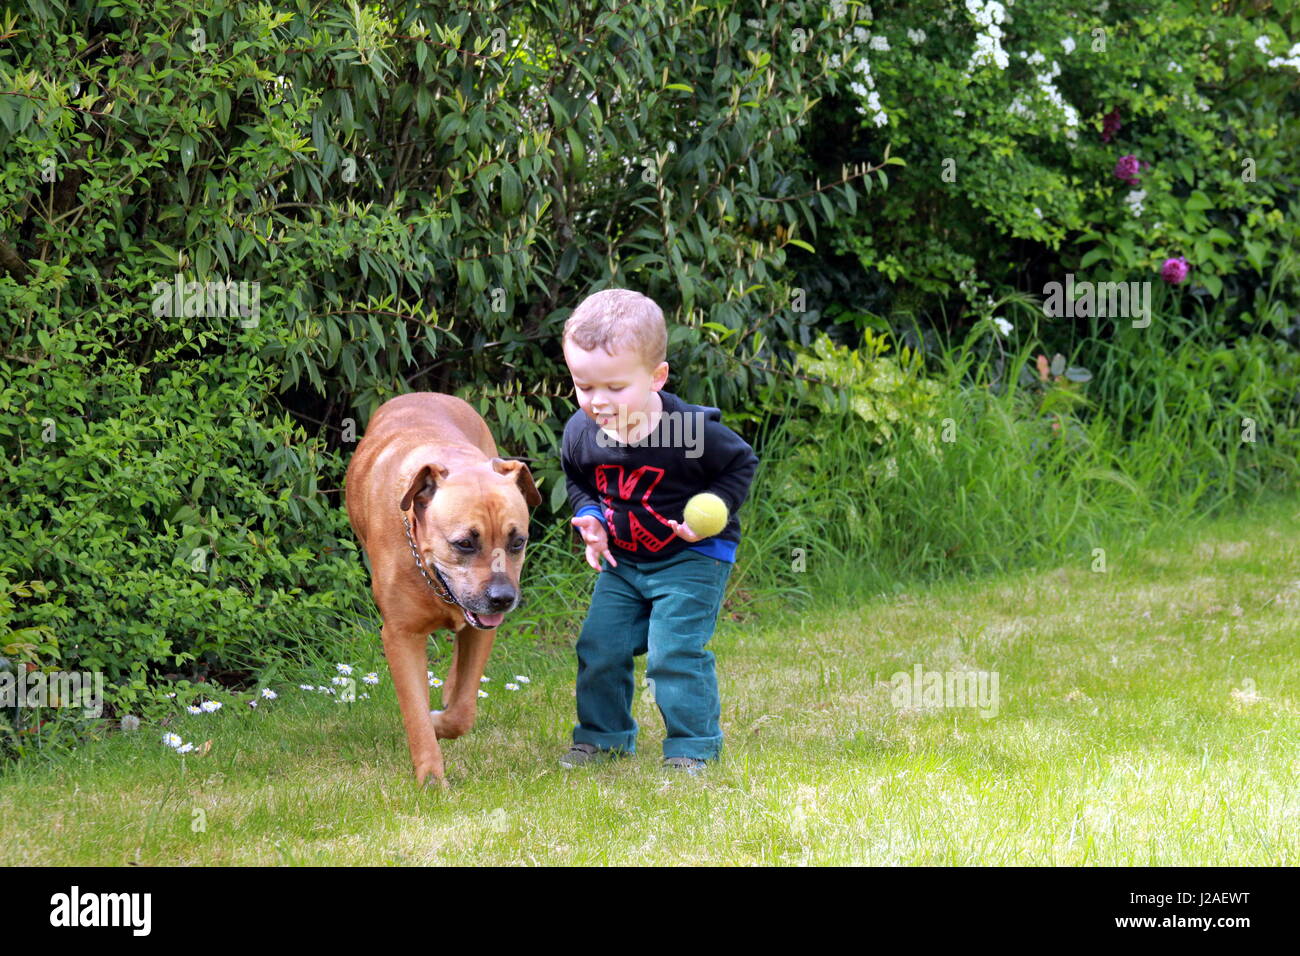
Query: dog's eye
(464,544)
(519,545)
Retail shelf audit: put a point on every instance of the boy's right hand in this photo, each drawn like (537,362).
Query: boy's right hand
(593,533)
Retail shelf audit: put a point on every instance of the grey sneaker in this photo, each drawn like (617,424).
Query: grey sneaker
(582,754)
(689,764)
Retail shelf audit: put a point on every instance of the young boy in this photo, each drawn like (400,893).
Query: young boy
(633,456)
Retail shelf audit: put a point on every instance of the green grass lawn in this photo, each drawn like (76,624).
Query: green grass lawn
(1145,716)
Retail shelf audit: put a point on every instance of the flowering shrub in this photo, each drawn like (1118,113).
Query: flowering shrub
(1058,137)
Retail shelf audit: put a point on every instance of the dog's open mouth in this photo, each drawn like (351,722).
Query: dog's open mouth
(484,622)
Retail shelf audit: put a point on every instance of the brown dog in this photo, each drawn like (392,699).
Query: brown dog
(428,463)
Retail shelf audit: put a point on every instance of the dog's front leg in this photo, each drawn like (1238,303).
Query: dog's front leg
(408,662)
(460,690)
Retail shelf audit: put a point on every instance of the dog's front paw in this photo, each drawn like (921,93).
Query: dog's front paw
(430,775)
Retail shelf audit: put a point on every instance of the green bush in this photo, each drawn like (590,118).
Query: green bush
(411,197)
(1005,117)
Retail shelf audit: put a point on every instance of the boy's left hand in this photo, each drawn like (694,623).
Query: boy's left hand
(683,530)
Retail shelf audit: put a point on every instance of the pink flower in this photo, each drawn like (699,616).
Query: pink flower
(1174,271)
(1110,125)
(1128,167)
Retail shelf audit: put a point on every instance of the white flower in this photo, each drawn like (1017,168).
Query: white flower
(1038,212)
(269,694)
(1292,59)
(194,709)
(484,679)
(364,697)
(1134,200)
(860,35)
(522,679)
(371,679)
(1173,67)
(344,668)
(211,706)
(1003,325)
(880,43)
(172,740)
(435,682)
(482,693)
(1262,41)
(916,36)
(172,694)
(512,686)
(306,687)
(185,749)
(1068,43)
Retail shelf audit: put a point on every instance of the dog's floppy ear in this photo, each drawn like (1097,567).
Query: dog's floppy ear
(423,485)
(523,477)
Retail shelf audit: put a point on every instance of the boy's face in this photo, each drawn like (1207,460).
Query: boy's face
(603,382)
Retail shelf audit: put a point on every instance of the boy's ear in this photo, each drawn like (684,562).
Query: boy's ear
(659,377)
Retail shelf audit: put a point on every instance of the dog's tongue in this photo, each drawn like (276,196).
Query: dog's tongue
(491,620)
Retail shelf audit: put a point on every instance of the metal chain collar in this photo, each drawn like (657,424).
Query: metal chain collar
(440,588)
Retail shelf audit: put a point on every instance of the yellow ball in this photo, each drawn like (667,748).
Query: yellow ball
(706,514)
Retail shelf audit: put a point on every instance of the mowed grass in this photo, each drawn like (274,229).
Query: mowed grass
(1146,715)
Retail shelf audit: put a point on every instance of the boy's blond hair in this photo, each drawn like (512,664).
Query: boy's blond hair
(614,319)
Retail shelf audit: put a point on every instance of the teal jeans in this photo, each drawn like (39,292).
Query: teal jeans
(667,609)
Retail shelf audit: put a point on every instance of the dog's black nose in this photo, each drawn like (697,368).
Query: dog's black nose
(500,597)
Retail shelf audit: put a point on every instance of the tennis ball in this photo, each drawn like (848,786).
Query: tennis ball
(706,514)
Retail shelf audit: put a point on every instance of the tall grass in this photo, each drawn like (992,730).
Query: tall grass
(1153,440)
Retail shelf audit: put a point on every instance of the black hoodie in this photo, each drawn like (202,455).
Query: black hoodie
(632,488)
